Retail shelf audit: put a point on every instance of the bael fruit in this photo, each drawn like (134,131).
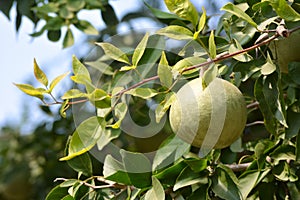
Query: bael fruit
(213,117)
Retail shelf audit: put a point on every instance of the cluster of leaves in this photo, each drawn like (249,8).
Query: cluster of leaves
(57,14)
(269,150)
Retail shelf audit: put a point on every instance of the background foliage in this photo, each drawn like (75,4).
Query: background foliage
(246,45)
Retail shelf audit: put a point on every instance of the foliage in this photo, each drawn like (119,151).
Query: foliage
(262,164)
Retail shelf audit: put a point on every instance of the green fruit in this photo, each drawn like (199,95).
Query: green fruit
(286,50)
(213,117)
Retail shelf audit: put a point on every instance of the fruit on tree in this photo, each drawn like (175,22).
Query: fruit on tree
(286,50)
(211,117)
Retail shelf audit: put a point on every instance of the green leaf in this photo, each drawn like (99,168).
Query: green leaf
(231,8)
(139,50)
(39,74)
(202,20)
(164,71)
(184,9)
(223,186)
(144,93)
(164,16)
(101,66)
(65,13)
(54,36)
(57,193)
(187,62)
(107,136)
(210,74)
(85,137)
(73,93)
(109,16)
(169,174)
(248,180)
(114,170)
(57,80)
(294,71)
(63,108)
(235,47)
(82,164)
(120,111)
(269,96)
(188,177)
(284,10)
(30,90)
(75,5)
(79,68)
(169,152)
(283,152)
(212,46)
(86,27)
(68,197)
(163,106)
(156,192)
(293,121)
(68,39)
(135,169)
(269,67)
(99,98)
(176,32)
(283,172)
(201,193)
(113,52)
(197,165)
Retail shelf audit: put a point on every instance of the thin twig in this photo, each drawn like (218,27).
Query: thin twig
(255,123)
(253,105)
(238,167)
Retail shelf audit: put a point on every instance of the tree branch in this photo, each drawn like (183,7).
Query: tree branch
(238,167)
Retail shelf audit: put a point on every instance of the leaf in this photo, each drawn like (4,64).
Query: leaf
(85,137)
(268,68)
(120,111)
(114,170)
(156,192)
(163,15)
(201,193)
(197,165)
(235,47)
(101,66)
(30,90)
(223,186)
(57,80)
(210,74)
(184,9)
(109,16)
(73,93)
(284,10)
(212,46)
(135,169)
(54,36)
(188,177)
(139,50)
(176,32)
(144,93)
(231,8)
(107,137)
(163,106)
(164,71)
(294,71)
(68,39)
(270,101)
(39,74)
(169,174)
(202,20)
(57,193)
(187,62)
(82,75)
(82,164)
(86,27)
(293,121)
(113,52)
(63,108)
(169,152)
(248,180)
